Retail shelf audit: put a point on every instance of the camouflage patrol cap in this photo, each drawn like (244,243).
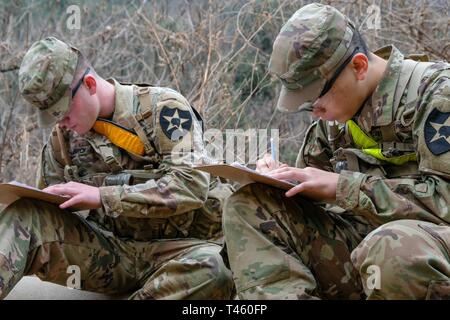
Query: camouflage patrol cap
(45,76)
(307,51)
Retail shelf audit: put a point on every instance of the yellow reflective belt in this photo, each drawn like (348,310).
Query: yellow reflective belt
(119,136)
(369,146)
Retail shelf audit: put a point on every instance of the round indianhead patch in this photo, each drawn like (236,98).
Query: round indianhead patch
(437,132)
(175,123)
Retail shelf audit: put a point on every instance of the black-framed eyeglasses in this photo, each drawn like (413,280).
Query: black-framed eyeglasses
(74,90)
(336,74)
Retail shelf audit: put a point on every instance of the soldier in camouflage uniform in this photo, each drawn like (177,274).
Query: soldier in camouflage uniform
(370,216)
(153,227)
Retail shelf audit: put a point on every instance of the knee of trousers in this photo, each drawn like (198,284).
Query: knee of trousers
(402,240)
(27,217)
(219,276)
(201,272)
(24,207)
(20,213)
(403,255)
(20,232)
(247,199)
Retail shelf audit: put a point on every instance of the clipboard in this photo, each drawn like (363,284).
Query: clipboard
(12,191)
(243,175)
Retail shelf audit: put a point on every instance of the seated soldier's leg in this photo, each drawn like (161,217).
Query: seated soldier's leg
(183,269)
(39,238)
(288,248)
(405,259)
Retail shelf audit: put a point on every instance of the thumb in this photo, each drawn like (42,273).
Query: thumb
(301,187)
(71,202)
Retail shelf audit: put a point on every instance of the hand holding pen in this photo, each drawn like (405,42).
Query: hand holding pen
(269,162)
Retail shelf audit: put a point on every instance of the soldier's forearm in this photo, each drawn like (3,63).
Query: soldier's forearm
(382,200)
(173,194)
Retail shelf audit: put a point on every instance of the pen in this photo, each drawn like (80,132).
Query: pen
(273,150)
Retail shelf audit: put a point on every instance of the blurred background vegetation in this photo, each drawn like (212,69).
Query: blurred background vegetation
(214,52)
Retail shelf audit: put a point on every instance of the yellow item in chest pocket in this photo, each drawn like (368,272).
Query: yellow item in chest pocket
(119,136)
(369,146)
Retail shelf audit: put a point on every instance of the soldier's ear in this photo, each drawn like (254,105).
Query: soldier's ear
(91,84)
(360,65)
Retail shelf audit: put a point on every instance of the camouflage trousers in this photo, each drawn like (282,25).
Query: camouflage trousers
(39,238)
(405,259)
(289,248)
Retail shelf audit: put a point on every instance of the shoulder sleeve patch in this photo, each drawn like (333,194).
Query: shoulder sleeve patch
(437,132)
(432,129)
(175,123)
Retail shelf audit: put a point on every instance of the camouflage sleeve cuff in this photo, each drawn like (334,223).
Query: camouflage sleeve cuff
(111,203)
(348,189)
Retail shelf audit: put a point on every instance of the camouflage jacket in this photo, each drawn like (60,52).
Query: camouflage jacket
(167,194)
(379,191)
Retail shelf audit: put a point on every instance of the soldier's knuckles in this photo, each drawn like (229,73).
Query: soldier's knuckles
(261,163)
(308,170)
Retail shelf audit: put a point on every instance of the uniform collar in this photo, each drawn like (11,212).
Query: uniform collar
(378,109)
(124,102)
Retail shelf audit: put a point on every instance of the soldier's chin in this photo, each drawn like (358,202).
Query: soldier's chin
(331,118)
(342,119)
(80,130)
(326,118)
(84,128)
